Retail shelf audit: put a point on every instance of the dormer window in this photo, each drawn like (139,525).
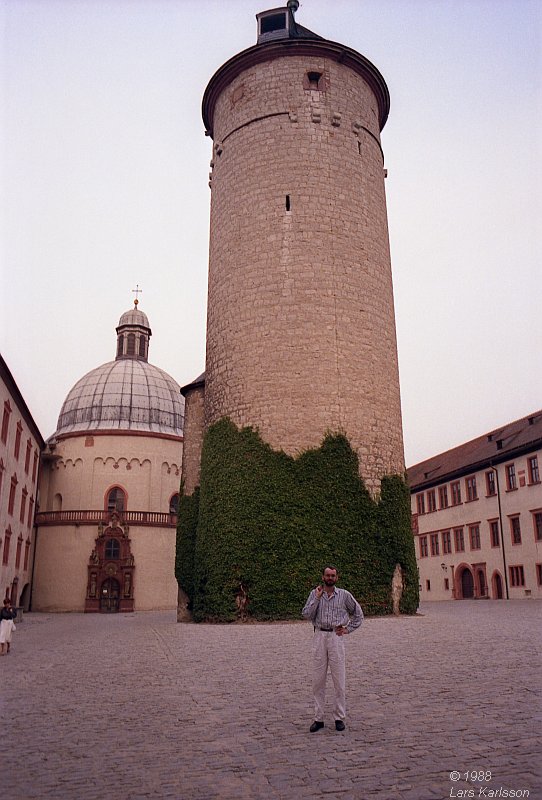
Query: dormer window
(274,24)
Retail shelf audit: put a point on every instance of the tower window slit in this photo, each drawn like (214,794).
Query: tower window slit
(288,207)
(313,79)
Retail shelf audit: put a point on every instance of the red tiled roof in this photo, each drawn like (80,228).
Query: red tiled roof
(496,446)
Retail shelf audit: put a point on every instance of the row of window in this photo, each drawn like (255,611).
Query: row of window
(431,543)
(18,552)
(17,446)
(516,575)
(426,502)
(12,498)
(116,500)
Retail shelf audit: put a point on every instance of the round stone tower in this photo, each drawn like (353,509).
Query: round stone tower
(300,329)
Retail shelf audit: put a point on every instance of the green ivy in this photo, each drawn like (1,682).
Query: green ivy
(187,524)
(267,522)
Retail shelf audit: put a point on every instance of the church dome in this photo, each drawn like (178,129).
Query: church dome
(126,394)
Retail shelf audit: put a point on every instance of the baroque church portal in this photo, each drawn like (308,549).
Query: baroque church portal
(109,486)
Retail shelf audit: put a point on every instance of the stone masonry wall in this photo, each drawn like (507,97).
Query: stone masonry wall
(193,438)
(301,330)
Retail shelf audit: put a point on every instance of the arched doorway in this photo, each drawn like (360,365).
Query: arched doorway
(467,584)
(498,593)
(25,597)
(109,596)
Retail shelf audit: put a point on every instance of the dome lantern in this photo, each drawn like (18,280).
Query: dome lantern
(133,334)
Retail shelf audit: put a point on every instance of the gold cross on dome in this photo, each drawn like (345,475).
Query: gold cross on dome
(137,291)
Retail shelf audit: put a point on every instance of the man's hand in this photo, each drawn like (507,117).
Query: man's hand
(319,591)
(341,630)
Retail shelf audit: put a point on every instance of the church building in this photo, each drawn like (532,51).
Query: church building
(109,486)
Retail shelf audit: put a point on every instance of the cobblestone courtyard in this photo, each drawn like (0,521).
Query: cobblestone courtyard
(135,706)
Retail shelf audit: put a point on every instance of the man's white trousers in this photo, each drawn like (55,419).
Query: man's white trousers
(328,650)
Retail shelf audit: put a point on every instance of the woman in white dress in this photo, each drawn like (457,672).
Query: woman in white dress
(7,617)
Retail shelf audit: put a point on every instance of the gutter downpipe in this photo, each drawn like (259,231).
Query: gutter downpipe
(496,471)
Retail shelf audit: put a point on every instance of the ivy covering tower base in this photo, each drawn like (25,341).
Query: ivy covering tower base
(252,541)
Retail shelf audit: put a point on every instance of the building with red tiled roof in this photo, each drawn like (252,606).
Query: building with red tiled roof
(477,516)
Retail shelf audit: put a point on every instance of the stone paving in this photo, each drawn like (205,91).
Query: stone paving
(134,706)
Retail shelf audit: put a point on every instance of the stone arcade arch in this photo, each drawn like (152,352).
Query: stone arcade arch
(24,599)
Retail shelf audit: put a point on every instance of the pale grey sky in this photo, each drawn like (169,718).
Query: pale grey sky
(104,186)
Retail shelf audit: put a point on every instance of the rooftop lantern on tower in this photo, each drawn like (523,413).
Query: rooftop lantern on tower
(133,334)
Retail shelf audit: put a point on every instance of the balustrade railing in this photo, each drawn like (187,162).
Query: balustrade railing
(156,518)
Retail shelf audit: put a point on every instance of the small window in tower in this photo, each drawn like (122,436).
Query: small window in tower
(130,350)
(142,346)
(314,80)
(288,205)
(120,345)
(272,22)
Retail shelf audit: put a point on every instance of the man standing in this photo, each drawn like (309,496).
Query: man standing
(334,613)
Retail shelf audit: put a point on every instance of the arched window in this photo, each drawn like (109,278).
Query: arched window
(112,548)
(174,504)
(130,350)
(116,500)
(120,345)
(142,346)
(57,502)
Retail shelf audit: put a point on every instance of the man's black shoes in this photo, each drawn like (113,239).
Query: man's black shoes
(316,726)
